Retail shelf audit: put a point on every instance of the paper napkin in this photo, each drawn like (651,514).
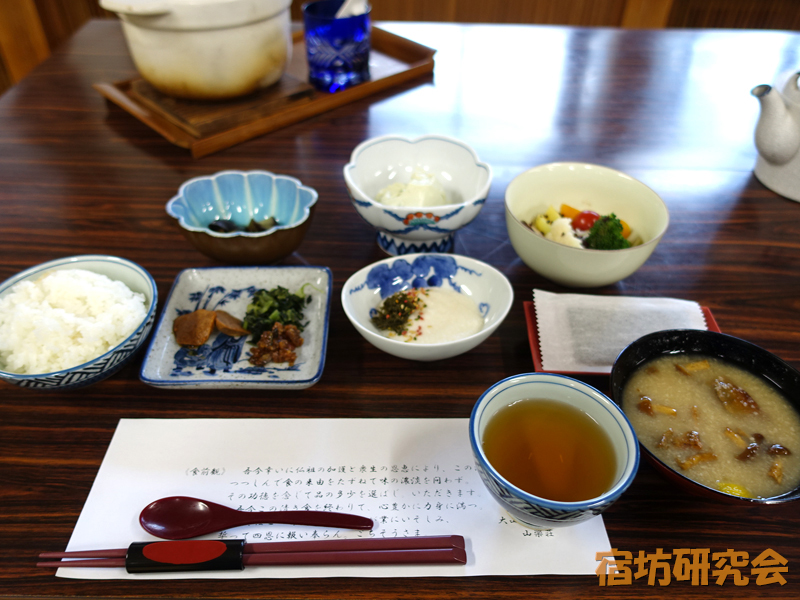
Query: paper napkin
(584,333)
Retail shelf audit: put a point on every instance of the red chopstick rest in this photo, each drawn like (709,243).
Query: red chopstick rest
(189,555)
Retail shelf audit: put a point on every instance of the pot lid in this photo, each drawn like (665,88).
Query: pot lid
(194,14)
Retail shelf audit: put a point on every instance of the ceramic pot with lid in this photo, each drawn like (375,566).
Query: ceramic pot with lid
(207,49)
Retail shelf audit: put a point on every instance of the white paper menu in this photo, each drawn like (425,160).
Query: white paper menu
(411,476)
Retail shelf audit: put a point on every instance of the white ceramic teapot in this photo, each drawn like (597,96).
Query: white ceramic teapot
(778,138)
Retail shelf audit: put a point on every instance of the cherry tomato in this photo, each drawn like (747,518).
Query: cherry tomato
(584,220)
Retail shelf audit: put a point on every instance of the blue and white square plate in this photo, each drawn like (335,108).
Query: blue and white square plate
(222,362)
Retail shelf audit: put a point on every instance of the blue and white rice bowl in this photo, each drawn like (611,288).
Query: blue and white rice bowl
(485,285)
(105,365)
(378,162)
(534,511)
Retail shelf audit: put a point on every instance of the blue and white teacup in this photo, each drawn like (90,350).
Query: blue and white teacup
(534,511)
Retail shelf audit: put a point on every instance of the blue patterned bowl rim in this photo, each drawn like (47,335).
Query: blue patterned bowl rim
(358,280)
(177,198)
(480,194)
(76,262)
(601,501)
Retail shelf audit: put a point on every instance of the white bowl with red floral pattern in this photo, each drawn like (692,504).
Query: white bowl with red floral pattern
(379,162)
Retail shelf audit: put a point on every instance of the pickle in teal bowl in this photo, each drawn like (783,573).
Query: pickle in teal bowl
(244,217)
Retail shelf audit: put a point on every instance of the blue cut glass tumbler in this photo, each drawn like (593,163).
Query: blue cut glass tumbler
(337,49)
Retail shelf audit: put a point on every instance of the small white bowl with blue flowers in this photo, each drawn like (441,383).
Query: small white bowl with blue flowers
(392,159)
(364,292)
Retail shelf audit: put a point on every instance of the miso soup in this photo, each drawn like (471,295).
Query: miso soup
(550,449)
(716,423)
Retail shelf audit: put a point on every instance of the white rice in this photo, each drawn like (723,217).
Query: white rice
(64,319)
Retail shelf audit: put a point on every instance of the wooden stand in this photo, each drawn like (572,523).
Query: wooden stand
(207,127)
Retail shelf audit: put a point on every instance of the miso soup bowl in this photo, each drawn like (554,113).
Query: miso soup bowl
(534,511)
(732,349)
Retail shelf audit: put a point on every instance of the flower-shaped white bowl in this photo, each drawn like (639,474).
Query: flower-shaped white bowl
(240,196)
(380,161)
(367,288)
(584,187)
(105,365)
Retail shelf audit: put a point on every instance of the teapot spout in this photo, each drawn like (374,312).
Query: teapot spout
(777,132)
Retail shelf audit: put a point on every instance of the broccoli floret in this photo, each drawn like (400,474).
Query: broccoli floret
(606,234)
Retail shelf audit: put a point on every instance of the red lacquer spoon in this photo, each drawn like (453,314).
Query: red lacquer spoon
(181,517)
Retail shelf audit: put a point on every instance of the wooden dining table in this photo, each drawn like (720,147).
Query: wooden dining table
(80,175)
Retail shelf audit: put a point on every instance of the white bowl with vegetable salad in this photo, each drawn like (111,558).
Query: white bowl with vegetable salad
(568,196)
(73,321)
(427,306)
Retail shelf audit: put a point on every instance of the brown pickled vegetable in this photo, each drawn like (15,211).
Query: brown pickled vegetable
(666,438)
(647,406)
(778,450)
(194,328)
(688,369)
(776,471)
(738,437)
(748,453)
(734,399)
(690,439)
(277,345)
(230,325)
(696,460)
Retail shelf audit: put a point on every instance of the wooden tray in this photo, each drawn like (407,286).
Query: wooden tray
(207,127)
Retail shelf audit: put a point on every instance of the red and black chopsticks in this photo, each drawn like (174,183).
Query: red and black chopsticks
(215,555)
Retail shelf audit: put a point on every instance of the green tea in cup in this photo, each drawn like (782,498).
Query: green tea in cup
(550,449)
